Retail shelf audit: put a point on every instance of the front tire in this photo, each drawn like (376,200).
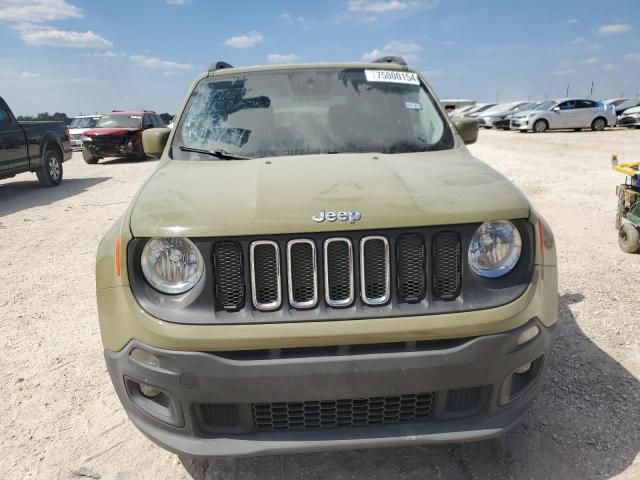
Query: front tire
(598,124)
(540,126)
(89,157)
(629,238)
(50,175)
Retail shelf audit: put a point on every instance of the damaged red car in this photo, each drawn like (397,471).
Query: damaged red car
(118,134)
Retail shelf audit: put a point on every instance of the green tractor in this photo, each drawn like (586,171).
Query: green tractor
(628,212)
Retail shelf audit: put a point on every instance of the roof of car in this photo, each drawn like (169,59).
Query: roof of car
(127,112)
(296,66)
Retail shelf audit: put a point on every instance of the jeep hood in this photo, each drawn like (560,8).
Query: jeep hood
(280,195)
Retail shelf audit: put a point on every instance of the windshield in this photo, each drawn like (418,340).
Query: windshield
(84,122)
(546,105)
(120,121)
(312,111)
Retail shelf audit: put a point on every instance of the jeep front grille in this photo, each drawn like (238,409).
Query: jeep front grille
(412,268)
(374,274)
(338,272)
(266,283)
(229,275)
(302,273)
(446,265)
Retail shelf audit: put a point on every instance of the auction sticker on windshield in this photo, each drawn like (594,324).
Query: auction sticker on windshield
(392,76)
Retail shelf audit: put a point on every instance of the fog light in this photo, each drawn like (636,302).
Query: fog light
(522,369)
(149,391)
(145,357)
(528,335)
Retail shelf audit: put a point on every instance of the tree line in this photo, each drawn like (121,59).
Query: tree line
(62,117)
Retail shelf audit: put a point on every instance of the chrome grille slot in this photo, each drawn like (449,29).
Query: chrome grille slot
(412,268)
(447,265)
(229,277)
(266,284)
(338,272)
(302,273)
(375,270)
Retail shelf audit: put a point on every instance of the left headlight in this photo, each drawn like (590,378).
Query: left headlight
(495,249)
(172,265)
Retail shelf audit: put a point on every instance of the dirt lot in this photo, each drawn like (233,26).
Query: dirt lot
(60,415)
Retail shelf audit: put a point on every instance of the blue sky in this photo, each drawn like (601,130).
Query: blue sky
(91,56)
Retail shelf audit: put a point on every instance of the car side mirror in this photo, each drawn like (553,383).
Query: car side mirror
(468,129)
(154,140)
(556,109)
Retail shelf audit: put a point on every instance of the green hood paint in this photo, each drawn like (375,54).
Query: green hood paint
(280,195)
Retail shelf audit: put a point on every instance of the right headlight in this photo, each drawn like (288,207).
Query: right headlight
(495,249)
(172,265)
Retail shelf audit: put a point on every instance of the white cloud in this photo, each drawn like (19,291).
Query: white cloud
(609,67)
(581,42)
(107,54)
(614,29)
(37,11)
(369,6)
(29,75)
(590,61)
(282,58)
(635,57)
(292,20)
(409,51)
(570,21)
(157,64)
(248,40)
(40,35)
(566,71)
(177,2)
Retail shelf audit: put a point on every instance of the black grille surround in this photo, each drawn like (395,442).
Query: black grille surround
(415,289)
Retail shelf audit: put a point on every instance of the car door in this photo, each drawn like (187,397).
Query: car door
(14,144)
(564,115)
(586,111)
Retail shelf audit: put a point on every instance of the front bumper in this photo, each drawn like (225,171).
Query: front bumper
(629,122)
(194,383)
(520,124)
(115,147)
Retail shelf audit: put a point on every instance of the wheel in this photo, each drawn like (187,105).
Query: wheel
(598,124)
(50,175)
(89,157)
(540,126)
(140,155)
(629,238)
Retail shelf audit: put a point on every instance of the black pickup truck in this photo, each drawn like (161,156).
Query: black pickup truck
(38,147)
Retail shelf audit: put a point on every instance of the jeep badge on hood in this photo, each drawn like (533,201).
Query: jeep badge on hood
(351,216)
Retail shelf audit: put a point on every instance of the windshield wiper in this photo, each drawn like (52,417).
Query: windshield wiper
(218,153)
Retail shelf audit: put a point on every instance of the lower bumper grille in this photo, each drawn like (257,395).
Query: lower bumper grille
(269,417)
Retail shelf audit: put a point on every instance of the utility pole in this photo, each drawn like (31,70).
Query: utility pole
(567,95)
(591,92)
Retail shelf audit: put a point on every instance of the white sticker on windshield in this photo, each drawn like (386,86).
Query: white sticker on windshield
(392,77)
(137,117)
(413,105)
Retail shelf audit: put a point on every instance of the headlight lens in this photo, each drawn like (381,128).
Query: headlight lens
(172,265)
(495,249)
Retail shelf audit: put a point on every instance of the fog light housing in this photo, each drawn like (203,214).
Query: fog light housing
(521,370)
(149,391)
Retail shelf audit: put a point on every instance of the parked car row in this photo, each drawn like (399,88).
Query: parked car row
(563,113)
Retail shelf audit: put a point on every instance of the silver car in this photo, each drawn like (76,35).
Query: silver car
(574,113)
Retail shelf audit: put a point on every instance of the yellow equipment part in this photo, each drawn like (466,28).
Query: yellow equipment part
(631,169)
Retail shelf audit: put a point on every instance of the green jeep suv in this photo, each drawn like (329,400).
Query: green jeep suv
(319,263)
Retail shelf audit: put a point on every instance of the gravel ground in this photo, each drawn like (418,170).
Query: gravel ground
(60,417)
